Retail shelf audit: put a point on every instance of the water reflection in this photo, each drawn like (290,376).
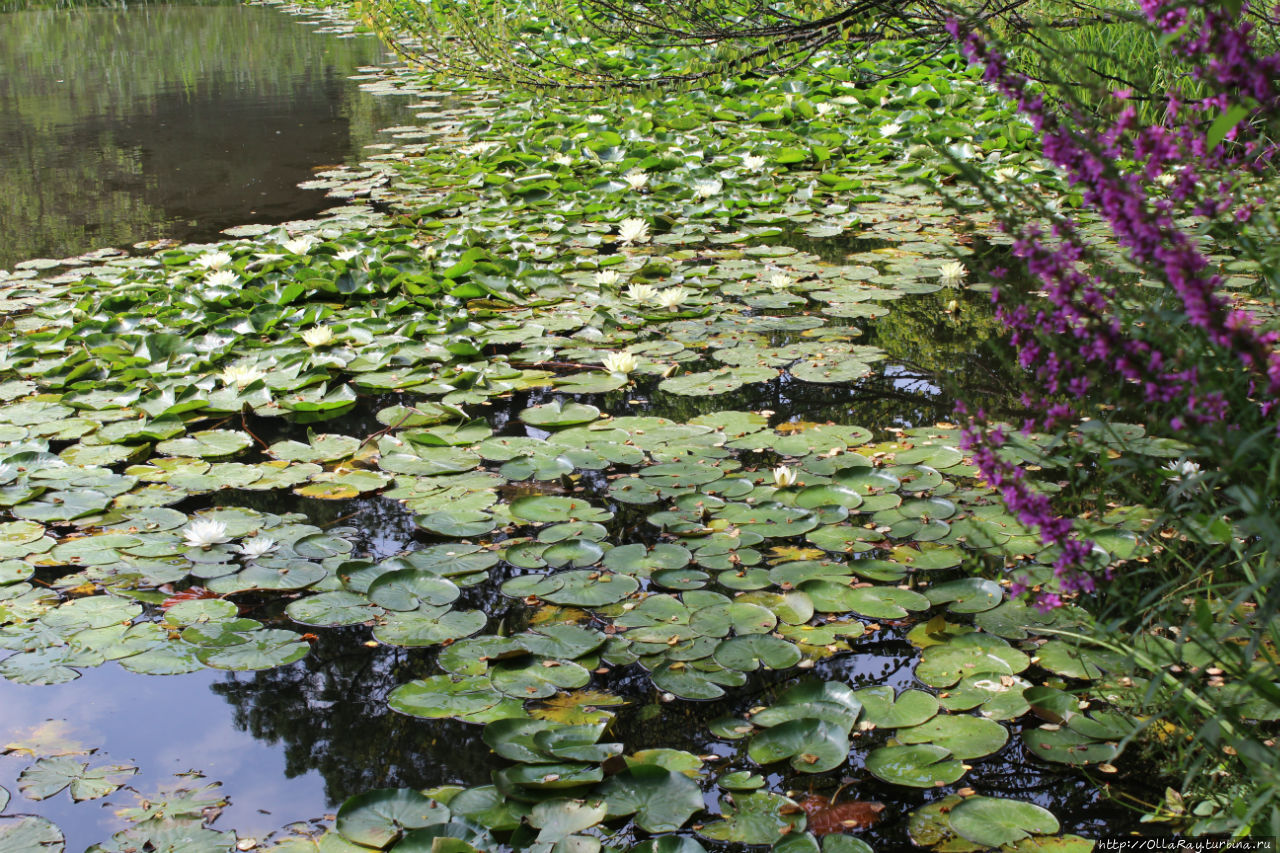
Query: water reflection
(128,123)
(165,725)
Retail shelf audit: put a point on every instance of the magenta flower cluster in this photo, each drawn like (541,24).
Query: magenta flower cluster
(1078,334)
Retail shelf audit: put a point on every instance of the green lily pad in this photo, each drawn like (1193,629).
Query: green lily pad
(921,766)
(719,619)
(740,780)
(471,699)
(536,679)
(824,700)
(322,448)
(994,822)
(754,818)
(408,589)
(967,595)
(1083,662)
(712,382)
(814,746)
(207,444)
(486,806)
(966,737)
(50,775)
(1065,746)
(332,609)
(557,414)
(828,495)
(909,708)
(749,653)
(543,508)
(662,800)
(930,826)
(579,588)
(30,834)
(429,626)
(265,649)
(968,654)
(379,817)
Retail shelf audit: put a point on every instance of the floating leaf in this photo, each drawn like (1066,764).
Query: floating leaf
(30,834)
(909,708)
(661,799)
(923,766)
(557,414)
(470,699)
(965,736)
(814,746)
(994,822)
(760,817)
(377,818)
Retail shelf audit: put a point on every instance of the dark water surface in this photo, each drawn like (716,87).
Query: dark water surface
(129,123)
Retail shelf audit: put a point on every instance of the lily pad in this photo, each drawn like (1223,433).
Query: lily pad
(661,799)
(470,699)
(965,736)
(557,414)
(377,818)
(994,822)
(814,746)
(921,766)
(30,834)
(543,508)
(910,708)
(760,817)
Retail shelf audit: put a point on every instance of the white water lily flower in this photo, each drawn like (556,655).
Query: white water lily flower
(754,162)
(781,281)
(1186,468)
(952,272)
(637,179)
(317,336)
(706,189)
(213,260)
(672,297)
(631,231)
(561,159)
(619,362)
(429,253)
(347,254)
(890,129)
(784,476)
(299,245)
(825,109)
(595,118)
(606,278)
(1167,179)
(205,532)
(641,292)
(475,148)
(221,278)
(241,375)
(257,547)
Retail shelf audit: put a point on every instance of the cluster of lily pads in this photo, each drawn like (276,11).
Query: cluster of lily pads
(494,359)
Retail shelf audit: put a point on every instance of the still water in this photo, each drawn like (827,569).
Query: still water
(133,122)
(128,123)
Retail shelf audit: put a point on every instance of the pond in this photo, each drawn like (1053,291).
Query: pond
(132,122)
(447,498)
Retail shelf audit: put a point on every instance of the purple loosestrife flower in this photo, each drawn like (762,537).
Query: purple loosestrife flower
(1079,335)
